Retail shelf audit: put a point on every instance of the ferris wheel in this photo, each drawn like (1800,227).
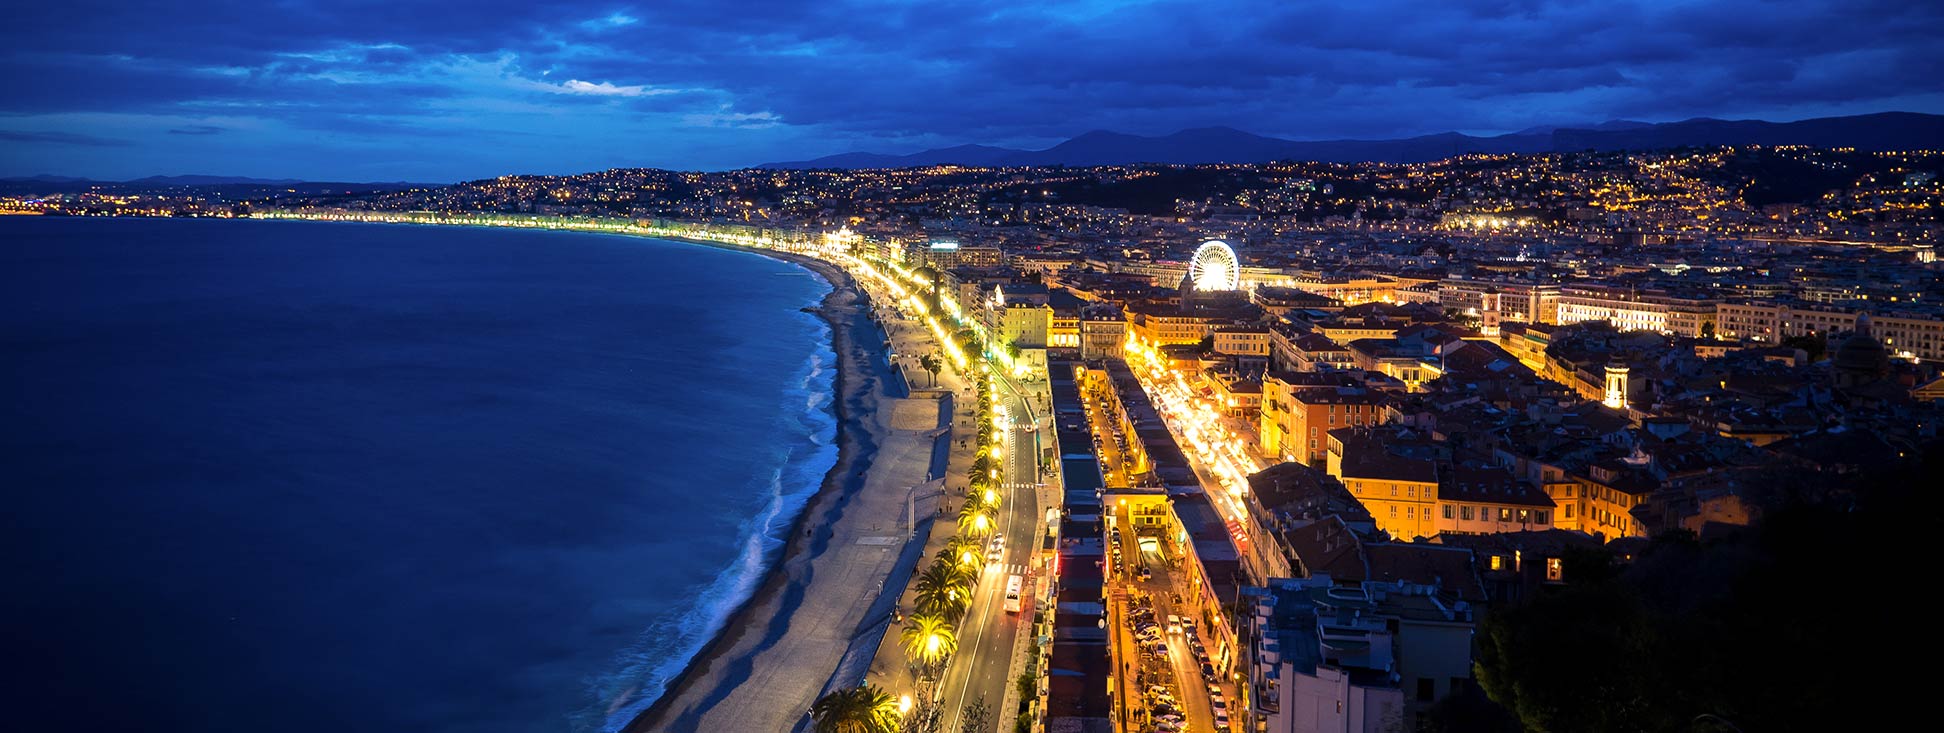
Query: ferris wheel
(1214,267)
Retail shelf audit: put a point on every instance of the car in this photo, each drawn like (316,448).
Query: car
(1221,721)
(1208,672)
(1174,624)
(995,553)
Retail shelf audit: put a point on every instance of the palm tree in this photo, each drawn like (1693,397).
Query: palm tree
(866,709)
(929,640)
(947,603)
(933,363)
(964,552)
(974,519)
(944,580)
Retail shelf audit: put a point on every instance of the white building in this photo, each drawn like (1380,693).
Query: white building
(1352,659)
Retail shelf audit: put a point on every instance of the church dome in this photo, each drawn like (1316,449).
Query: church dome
(1861,356)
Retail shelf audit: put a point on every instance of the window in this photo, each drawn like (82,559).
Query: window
(1569,511)
(1498,562)
(1505,515)
(1553,569)
(1393,511)
(1447,511)
(1393,492)
(1410,492)
(1465,513)
(1524,516)
(1539,516)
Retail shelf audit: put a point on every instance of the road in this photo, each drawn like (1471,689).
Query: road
(1218,453)
(987,634)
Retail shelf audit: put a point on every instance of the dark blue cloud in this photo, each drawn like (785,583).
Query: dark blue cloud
(353,88)
(50,137)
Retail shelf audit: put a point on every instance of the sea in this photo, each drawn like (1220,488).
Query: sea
(301,476)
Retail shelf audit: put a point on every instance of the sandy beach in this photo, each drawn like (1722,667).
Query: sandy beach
(775,655)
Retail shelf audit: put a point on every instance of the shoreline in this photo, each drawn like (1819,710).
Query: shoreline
(776,599)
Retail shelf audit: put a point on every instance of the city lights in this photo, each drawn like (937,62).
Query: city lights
(1199,424)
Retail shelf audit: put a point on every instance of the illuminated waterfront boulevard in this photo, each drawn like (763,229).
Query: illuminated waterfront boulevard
(991,639)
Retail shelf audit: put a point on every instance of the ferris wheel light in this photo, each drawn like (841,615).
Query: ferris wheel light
(1214,267)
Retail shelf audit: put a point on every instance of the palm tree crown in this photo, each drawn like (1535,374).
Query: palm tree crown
(866,709)
(929,640)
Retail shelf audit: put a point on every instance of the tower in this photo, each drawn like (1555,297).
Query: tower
(1616,385)
(1488,316)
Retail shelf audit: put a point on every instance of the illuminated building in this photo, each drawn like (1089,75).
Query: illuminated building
(1401,491)
(1479,499)
(1523,302)
(1628,310)
(1247,345)
(1906,332)
(1103,332)
(1297,414)
(1293,349)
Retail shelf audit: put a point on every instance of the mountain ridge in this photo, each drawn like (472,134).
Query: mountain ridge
(1220,144)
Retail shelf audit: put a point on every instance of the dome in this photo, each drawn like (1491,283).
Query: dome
(1861,357)
(1861,352)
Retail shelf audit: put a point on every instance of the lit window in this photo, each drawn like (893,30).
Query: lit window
(1498,562)
(1554,569)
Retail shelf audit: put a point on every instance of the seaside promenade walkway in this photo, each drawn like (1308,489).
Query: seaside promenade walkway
(767,671)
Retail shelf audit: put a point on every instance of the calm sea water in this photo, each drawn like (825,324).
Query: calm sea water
(327,477)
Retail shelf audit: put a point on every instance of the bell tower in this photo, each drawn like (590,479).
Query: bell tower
(1616,385)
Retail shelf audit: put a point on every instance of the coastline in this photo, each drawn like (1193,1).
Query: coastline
(822,535)
(724,664)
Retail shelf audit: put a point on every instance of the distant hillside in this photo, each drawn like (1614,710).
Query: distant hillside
(1884,131)
(194,180)
(49,184)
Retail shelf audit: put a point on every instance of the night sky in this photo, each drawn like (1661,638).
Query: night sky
(434,92)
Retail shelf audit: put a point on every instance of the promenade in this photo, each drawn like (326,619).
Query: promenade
(776,656)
